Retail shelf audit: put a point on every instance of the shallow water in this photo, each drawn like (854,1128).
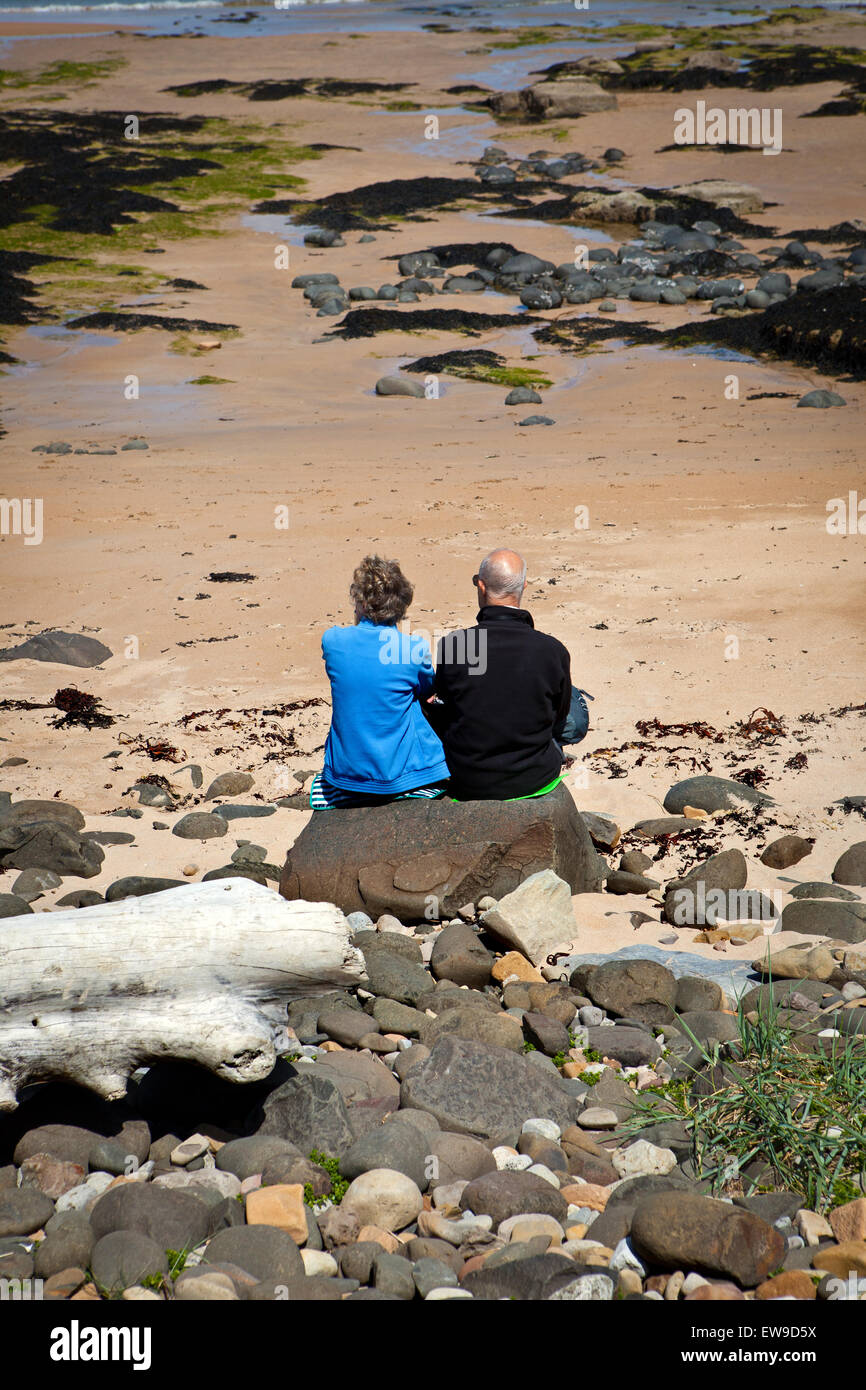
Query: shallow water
(213,17)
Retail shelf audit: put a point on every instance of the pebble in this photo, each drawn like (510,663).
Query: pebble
(510,1161)
(547,1129)
(319,1262)
(597,1117)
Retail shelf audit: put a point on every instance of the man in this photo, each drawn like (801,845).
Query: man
(506,693)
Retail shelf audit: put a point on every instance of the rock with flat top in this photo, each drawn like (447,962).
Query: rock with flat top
(423,859)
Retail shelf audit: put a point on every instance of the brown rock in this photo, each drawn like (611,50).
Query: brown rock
(282,1206)
(51,1175)
(514,964)
(390,1243)
(843,1259)
(457,852)
(716,1293)
(849,1221)
(794,1283)
(786,851)
(678,1230)
(64,1284)
(586,1194)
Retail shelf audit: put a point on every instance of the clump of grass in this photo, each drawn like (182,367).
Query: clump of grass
(339,1184)
(797,1111)
(208,380)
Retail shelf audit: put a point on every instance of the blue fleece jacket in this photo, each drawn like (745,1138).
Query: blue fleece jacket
(380,742)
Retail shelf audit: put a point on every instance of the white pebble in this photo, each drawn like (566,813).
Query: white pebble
(547,1129)
(541,1170)
(319,1262)
(510,1161)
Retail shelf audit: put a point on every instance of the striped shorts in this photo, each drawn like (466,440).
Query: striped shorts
(326,797)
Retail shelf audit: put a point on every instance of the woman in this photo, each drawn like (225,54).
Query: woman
(380,746)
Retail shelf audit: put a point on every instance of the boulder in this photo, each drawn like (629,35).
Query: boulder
(640,989)
(484,1091)
(475,1023)
(537,917)
(804,962)
(570,96)
(310,1112)
(851,866)
(740,198)
(786,851)
(175,1220)
(459,1157)
(458,955)
(399,1147)
(409,857)
(712,794)
(676,1230)
(123,1258)
(63,648)
(23,1210)
(711,890)
(383,1197)
(263,1251)
(48,844)
(504,1194)
(824,917)
(23,812)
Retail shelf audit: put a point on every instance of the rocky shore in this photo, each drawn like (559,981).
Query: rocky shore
(492,1113)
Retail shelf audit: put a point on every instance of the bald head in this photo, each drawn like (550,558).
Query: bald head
(502,578)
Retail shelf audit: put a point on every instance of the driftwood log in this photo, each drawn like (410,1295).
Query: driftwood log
(200,973)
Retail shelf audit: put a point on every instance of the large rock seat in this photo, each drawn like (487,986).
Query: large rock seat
(419,859)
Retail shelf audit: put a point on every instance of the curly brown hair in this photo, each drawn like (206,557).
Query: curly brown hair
(380,590)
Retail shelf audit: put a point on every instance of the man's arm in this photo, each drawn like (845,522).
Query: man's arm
(564,697)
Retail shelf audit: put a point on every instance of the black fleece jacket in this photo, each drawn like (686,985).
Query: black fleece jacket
(505,688)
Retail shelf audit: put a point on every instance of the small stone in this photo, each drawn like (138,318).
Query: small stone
(597,1118)
(49,1175)
(586,1195)
(848,1222)
(792,1283)
(722,1292)
(594,1288)
(691,1282)
(210,1286)
(200,825)
(513,965)
(383,1197)
(525,1227)
(319,1262)
(642,1158)
(813,1227)
(629,1282)
(282,1206)
(194,1147)
(547,1129)
(63,1284)
(848,1257)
